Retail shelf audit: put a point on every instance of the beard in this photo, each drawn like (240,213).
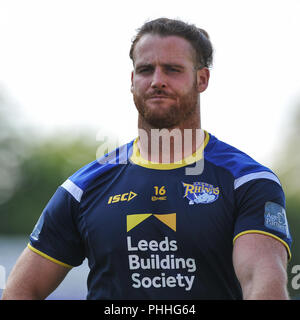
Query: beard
(169,116)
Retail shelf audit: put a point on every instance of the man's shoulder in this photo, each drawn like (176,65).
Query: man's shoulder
(242,167)
(77,183)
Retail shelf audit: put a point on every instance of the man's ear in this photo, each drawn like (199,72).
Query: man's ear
(132,75)
(202,79)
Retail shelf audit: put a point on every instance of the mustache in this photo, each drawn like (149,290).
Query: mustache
(159,92)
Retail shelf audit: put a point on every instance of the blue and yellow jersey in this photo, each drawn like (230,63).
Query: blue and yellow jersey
(161,231)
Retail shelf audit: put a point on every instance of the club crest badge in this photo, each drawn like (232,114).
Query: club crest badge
(200,192)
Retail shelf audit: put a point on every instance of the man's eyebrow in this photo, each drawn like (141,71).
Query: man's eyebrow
(165,65)
(173,65)
(143,65)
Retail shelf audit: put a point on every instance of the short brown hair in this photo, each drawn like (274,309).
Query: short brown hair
(198,38)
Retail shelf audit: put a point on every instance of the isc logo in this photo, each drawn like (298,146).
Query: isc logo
(121,197)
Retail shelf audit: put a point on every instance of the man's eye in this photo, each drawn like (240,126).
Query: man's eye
(144,70)
(170,69)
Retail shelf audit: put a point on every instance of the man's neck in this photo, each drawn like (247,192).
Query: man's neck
(169,145)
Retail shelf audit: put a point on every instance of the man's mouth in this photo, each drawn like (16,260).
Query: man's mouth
(159,97)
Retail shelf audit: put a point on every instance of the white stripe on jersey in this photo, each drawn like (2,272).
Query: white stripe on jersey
(256,175)
(74,190)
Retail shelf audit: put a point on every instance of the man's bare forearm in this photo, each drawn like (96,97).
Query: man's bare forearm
(263,286)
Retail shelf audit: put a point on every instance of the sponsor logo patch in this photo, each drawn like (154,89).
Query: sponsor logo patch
(275,218)
(158,262)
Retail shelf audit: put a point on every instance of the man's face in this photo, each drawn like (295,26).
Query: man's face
(164,81)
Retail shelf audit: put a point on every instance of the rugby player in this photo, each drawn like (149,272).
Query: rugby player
(198,219)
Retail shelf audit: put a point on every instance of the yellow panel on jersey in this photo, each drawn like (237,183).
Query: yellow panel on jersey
(134,219)
(168,219)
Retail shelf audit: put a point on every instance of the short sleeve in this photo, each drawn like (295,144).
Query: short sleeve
(56,234)
(261,209)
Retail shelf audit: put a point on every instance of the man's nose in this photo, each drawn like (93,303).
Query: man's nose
(158,79)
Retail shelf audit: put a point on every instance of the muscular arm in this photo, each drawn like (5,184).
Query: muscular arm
(260,265)
(33,277)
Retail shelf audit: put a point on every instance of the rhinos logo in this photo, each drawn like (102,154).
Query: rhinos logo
(200,192)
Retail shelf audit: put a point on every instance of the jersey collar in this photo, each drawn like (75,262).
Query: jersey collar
(137,159)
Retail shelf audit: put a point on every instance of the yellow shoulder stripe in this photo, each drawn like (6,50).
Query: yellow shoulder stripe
(267,234)
(48,257)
